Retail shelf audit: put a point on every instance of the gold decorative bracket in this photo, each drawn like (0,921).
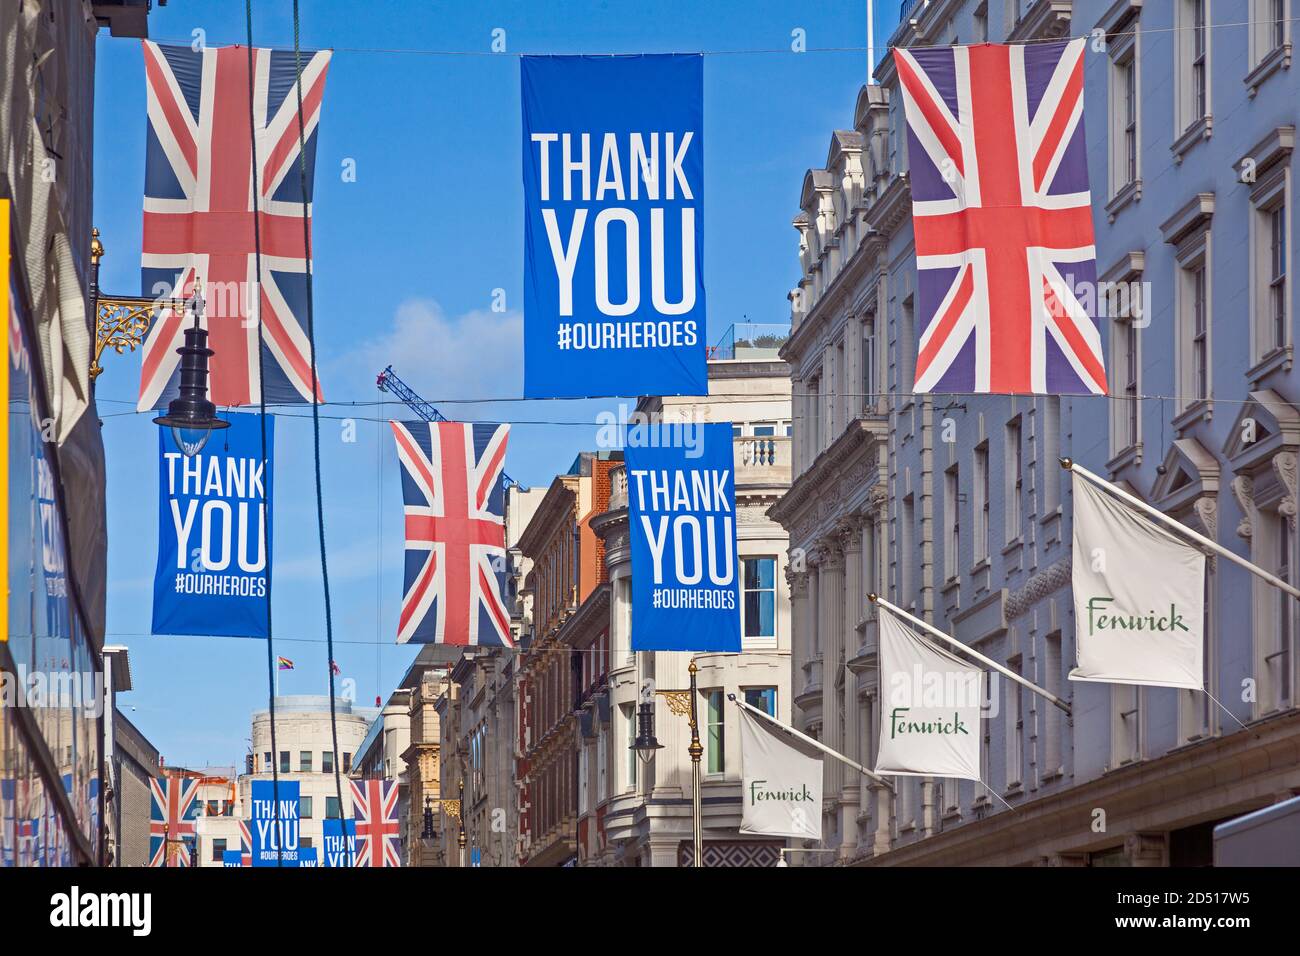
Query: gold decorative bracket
(121,324)
(679,701)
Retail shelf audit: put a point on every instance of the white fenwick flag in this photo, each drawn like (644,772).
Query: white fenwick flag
(782,783)
(1139,597)
(930,707)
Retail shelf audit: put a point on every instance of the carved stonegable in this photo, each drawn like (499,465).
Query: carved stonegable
(1207,513)
(1284,466)
(1243,489)
(832,556)
(798,581)
(849,533)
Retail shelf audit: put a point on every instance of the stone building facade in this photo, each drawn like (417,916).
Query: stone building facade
(635,814)
(955,507)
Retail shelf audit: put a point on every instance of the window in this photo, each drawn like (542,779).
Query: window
(1268,39)
(1015,726)
(1130,116)
(347,763)
(304,807)
(1126,349)
(1200,335)
(716,733)
(266,762)
(284,761)
(327,761)
(906,352)
(218,848)
(952,523)
(869,397)
(629,715)
(584,778)
(981,503)
(1277,274)
(602,767)
(1127,701)
(1051,713)
(1194,710)
(839,400)
(758,610)
(813,404)
(906,535)
(1194,322)
(1192,39)
(304,842)
(1124,113)
(1014,480)
(1272,326)
(764,698)
(1276,694)
(332,808)
(304,761)
(982,23)
(1199,62)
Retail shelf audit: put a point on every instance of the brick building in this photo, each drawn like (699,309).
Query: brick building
(568,564)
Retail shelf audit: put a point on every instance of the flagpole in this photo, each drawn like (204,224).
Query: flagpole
(930,629)
(871,39)
(1178,526)
(809,740)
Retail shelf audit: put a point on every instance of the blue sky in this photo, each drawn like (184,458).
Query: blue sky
(407,258)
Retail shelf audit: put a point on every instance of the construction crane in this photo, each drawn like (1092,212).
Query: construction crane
(388,381)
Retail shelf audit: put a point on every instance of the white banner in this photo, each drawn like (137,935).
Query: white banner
(930,707)
(1139,597)
(781,783)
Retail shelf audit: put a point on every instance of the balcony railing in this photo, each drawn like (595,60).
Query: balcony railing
(750,341)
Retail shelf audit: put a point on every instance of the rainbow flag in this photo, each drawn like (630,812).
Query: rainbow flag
(285,664)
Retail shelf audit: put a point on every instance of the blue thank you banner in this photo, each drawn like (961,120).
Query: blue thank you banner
(307,856)
(613,225)
(212,570)
(682,512)
(272,837)
(340,844)
(232,858)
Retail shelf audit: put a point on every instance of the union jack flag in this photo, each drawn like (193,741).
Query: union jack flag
(455,533)
(171,820)
(1002,219)
(8,822)
(198,216)
(20,807)
(374,809)
(245,844)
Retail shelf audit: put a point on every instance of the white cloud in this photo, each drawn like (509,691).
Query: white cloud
(476,354)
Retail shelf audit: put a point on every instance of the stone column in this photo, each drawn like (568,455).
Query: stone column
(850,536)
(800,638)
(832,607)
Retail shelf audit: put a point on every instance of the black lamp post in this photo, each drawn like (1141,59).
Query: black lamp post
(428,832)
(646,744)
(190,416)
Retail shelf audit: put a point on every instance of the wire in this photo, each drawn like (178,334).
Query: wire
(315,393)
(756,51)
(261,398)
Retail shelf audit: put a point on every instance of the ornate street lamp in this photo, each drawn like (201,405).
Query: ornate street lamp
(122,323)
(646,744)
(428,832)
(190,416)
(681,703)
